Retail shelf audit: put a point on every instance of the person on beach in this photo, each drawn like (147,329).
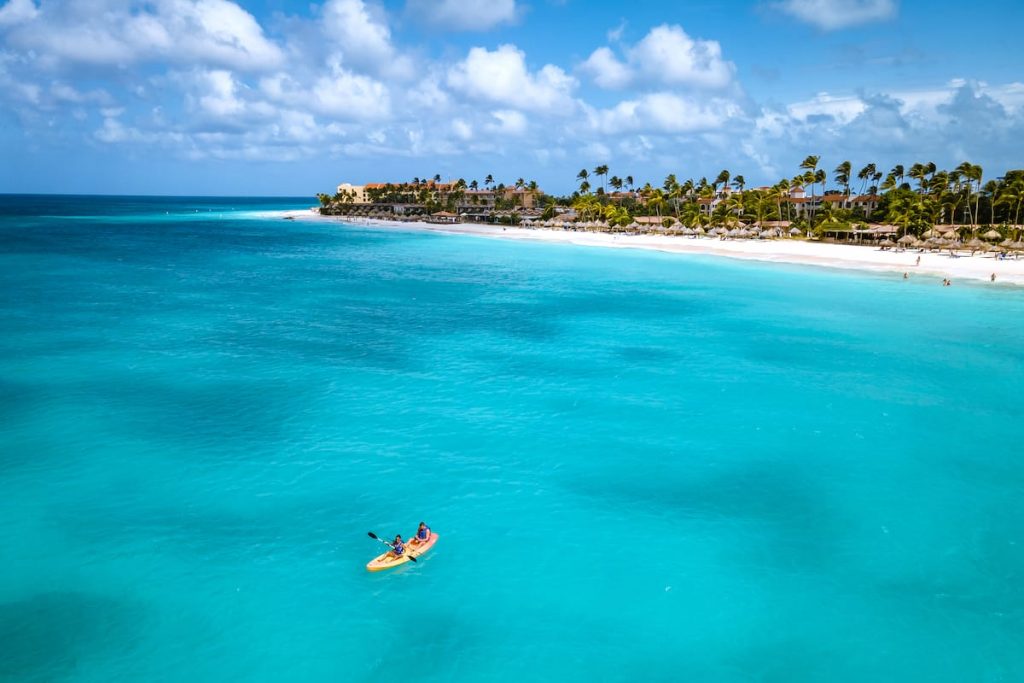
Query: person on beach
(422,534)
(918,261)
(993,277)
(905,276)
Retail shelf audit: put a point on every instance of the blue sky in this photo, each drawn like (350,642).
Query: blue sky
(290,98)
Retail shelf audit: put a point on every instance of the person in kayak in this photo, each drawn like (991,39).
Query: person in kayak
(422,534)
(397,548)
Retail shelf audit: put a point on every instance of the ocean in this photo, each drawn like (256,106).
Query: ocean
(642,466)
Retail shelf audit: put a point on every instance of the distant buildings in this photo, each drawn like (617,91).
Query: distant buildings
(796,203)
(456,197)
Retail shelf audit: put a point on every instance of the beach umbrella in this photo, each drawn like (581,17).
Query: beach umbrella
(928,234)
(906,239)
(976,244)
(699,231)
(887,243)
(991,235)
(794,231)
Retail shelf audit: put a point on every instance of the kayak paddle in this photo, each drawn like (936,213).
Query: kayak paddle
(378,538)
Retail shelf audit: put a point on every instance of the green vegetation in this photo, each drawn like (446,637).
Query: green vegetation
(913,199)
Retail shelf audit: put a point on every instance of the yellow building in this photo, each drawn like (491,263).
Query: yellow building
(357,193)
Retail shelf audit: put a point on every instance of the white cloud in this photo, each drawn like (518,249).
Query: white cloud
(465,15)
(509,122)
(462,130)
(606,70)
(346,95)
(220,97)
(667,55)
(842,109)
(501,76)
(360,35)
(18,11)
(664,112)
(830,15)
(338,95)
(213,32)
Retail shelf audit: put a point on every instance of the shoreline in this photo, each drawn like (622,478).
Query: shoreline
(799,252)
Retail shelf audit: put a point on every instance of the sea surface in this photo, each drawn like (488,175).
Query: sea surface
(642,466)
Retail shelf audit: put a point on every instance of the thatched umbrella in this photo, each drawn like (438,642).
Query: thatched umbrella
(976,244)
(888,243)
(906,240)
(992,235)
(793,232)
(928,234)
(699,231)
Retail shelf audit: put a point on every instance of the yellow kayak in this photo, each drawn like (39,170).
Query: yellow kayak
(382,562)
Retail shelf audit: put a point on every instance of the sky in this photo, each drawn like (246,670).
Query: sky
(290,98)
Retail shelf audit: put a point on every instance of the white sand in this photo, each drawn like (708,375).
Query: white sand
(846,256)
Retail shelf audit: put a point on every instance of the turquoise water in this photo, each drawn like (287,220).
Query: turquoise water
(642,466)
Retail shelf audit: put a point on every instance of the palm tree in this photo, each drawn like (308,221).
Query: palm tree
(897,172)
(722,179)
(864,175)
(918,173)
(991,189)
(629,182)
(842,176)
(739,182)
(584,187)
(616,182)
(474,185)
(1013,196)
(602,172)
(977,174)
(583,174)
(810,166)
(437,177)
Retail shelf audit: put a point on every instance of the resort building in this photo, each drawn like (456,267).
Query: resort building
(799,203)
(399,196)
(355,194)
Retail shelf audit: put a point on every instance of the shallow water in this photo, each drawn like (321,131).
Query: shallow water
(640,464)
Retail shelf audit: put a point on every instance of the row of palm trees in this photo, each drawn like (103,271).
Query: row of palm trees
(914,197)
(426,192)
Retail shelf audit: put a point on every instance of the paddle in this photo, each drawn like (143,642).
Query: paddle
(378,538)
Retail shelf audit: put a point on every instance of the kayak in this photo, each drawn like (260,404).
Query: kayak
(382,562)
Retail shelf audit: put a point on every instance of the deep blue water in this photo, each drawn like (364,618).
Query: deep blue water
(642,465)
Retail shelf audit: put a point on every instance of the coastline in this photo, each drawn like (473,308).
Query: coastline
(977,268)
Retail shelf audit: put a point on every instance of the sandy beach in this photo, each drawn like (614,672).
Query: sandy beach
(979,267)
